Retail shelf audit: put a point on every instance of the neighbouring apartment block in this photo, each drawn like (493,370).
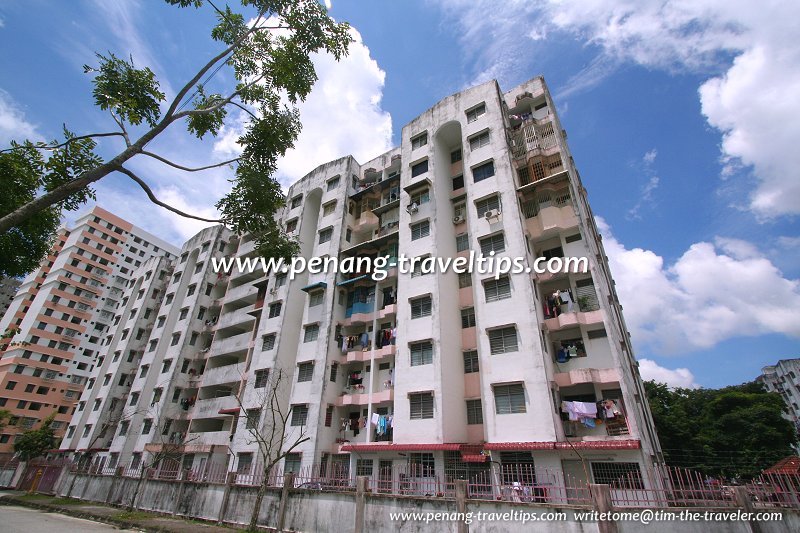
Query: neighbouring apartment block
(784,378)
(8,289)
(62,316)
(419,374)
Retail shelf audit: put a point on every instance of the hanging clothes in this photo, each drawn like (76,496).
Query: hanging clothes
(567,299)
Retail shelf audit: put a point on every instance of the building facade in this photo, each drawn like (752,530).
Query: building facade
(8,289)
(63,315)
(417,374)
(784,378)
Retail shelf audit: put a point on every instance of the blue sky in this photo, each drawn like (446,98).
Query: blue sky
(681,118)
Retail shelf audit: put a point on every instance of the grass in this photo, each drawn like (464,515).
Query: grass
(66,501)
(132,516)
(35,497)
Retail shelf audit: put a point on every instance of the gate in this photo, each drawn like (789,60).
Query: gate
(41,476)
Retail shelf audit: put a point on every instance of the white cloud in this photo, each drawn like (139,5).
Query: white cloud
(341,116)
(648,189)
(13,124)
(711,293)
(752,103)
(680,377)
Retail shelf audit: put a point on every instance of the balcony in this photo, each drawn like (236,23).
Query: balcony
(361,313)
(381,353)
(366,222)
(587,375)
(566,320)
(208,438)
(242,291)
(223,374)
(211,407)
(233,344)
(549,220)
(533,137)
(235,317)
(362,398)
(615,427)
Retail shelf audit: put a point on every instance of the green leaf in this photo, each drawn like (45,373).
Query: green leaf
(133,94)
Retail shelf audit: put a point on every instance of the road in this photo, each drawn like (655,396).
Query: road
(23,520)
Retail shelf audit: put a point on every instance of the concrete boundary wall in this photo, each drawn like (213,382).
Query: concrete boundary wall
(361,511)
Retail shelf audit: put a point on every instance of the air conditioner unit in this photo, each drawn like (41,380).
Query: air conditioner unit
(413,208)
(458,219)
(492,213)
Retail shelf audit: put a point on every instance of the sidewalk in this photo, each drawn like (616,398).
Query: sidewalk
(140,520)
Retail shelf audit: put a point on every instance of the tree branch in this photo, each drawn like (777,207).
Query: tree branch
(243,108)
(68,141)
(187,169)
(158,202)
(121,127)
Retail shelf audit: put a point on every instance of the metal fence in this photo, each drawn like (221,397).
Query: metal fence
(656,487)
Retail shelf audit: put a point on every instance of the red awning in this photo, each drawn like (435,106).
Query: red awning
(369,447)
(600,445)
(232,411)
(787,465)
(519,446)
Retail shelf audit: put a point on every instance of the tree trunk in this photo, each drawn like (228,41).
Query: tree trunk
(262,489)
(132,505)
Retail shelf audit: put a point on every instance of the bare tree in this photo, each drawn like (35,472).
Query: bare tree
(269,423)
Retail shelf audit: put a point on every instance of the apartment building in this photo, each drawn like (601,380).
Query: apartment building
(139,393)
(432,373)
(784,378)
(62,314)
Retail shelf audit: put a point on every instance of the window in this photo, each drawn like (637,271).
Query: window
(334,371)
(455,156)
(618,475)
(244,463)
(418,270)
(161,321)
(493,203)
(421,353)
(420,230)
(462,242)
(419,141)
(476,112)
(494,243)
(503,340)
(311,333)
(420,197)
(166,366)
(364,467)
(299,415)
(291,225)
(275,310)
(253,416)
(478,141)
(497,289)
(572,238)
(147,426)
(421,307)
(316,298)
(464,280)
(134,398)
(333,183)
(482,172)
(328,208)
(292,461)
(305,371)
(597,334)
(420,406)
(193,338)
(143,373)
(10,385)
(190,289)
(268,342)
(296,201)
(169,299)
(262,377)
(468,318)
(325,235)
(471,361)
(176,337)
(458,182)
(509,399)
(474,412)
(419,169)
(280,280)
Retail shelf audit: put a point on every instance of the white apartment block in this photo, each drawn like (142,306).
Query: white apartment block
(63,315)
(435,373)
(784,378)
